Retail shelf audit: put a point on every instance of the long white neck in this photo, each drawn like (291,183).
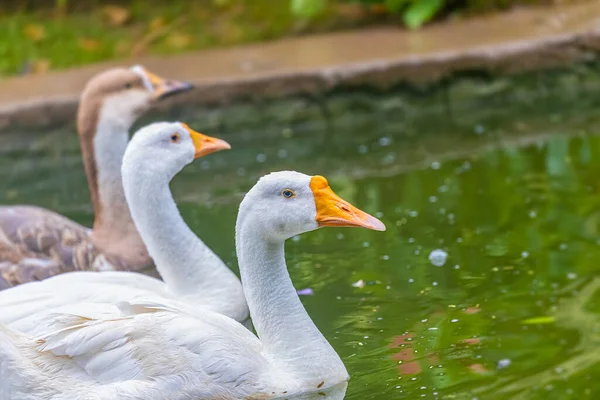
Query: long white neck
(289,336)
(188,267)
(110,143)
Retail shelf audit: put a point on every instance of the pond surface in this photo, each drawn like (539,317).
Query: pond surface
(510,191)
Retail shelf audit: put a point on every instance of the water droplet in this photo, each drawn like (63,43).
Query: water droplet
(454,320)
(410,280)
(261,158)
(505,362)
(432,199)
(414,213)
(434,283)
(359,284)
(362,149)
(424,320)
(563,246)
(532,214)
(366,244)
(241,171)
(457,266)
(385,257)
(411,240)
(389,158)
(385,141)
(435,165)
(340,236)
(438,257)
(432,329)
(571,275)
(524,254)
(282,153)
(479,129)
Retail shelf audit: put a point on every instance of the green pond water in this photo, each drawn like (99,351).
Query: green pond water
(503,176)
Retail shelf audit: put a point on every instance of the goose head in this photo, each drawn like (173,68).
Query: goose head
(162,149)
(287,203)
(120,95)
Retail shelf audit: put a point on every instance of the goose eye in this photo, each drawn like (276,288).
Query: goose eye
(175,138)
(288,193)
(128,85)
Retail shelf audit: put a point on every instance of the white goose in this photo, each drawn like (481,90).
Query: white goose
(191,272)
(147,350)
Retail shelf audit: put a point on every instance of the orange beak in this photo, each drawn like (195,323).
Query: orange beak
(205,144)
(332,210)
(162,87)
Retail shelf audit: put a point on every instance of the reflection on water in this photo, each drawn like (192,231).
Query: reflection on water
(510,192)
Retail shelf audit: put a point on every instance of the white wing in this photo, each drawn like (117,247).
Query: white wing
(18,305)
(151,342)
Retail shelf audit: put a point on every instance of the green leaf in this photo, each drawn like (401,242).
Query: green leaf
(395,6)
(539,320)
(421,11)
(307,8)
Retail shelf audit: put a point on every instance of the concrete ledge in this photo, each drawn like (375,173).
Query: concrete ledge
(514,42)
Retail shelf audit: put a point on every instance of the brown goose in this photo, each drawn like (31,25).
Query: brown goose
(36,243)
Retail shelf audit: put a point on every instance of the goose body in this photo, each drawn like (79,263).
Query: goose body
(36,243)
(191,272)
(145,349)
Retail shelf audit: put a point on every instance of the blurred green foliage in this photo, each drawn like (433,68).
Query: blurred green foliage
(38,35)
(414,13)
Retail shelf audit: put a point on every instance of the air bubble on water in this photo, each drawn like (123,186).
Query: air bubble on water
(389,158)
(241,171)
(524,254)
(388,287)
(366,244)
(417,252)
(563,246)
(362,149)
(457,266)
(411,240)
(434,283)
(424,320)
(459,240)
(505,362)
(438,257)
(385,141)
(261,157)
(385,257)
(340,236)
(435,165)
(359,284)
(479,129)
(414,213)
(282,153)
(442,211)
(413,379)
(443,189)
(571,275)
(559,370)
(454,320)
(432,329)
(432,199)
(532,214)
(379,214)
(410,280)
